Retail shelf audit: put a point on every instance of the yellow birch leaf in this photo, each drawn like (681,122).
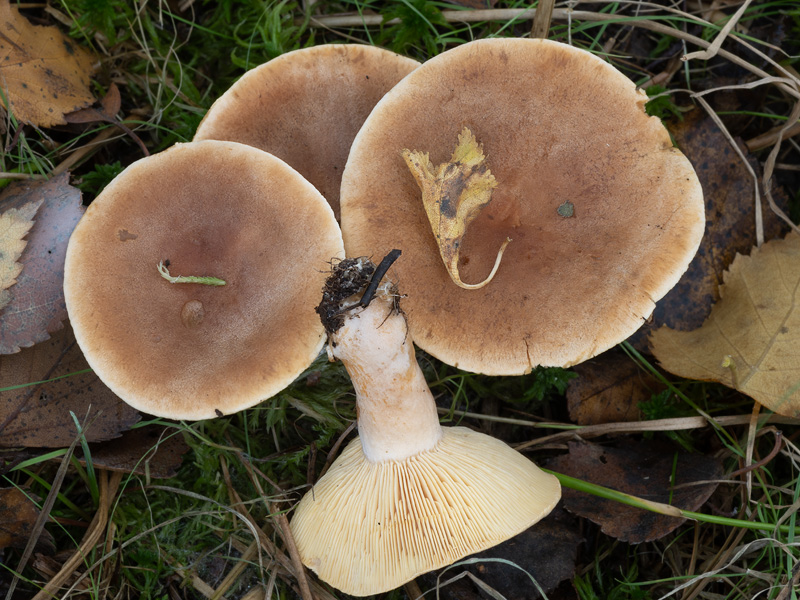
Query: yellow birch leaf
(454,193)
(43,74)
(14,225)
(751,339)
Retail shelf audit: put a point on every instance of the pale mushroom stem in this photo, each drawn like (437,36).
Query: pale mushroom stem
(396,412)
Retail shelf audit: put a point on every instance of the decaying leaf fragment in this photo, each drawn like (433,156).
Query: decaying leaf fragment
(43,74)
(37,306)
(14,225)
(751,339)
(454,193)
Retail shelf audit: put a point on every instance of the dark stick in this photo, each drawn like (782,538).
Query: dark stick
(380,271)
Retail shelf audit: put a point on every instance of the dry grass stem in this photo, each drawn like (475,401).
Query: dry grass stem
(678,424)
(712,50)
(108,491)
(542,19)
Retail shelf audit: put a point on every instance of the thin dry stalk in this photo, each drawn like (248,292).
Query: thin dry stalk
(108,490)
(712,50)
(679,424)
(244,561)
(285,532)
(43,516)
(542,19)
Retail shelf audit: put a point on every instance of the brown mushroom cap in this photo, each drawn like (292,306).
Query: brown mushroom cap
(306,107)
(557,124)
(189,351)
(368,527)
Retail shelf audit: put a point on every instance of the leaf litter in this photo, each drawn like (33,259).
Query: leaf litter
(649,470)
(39,415)
(609,389)
(750,340)
(43,73)
(37,307)
(15,223)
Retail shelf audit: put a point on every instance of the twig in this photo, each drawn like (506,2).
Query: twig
(542,19)
(43,516)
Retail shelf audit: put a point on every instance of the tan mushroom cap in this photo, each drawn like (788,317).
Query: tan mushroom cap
(557,124)
(370,527)
(306,107)
(189,351)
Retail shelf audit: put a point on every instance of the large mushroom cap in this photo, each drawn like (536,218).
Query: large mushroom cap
(557,125)
(306,107)
(190,351)
(368,527)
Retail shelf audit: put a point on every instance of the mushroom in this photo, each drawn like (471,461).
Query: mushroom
(306,107)
(406,496)
(203,209)
(603,212)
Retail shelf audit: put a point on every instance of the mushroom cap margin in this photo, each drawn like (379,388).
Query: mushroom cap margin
(306,106)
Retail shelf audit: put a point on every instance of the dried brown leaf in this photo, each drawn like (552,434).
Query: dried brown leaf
(643,469)
(43,73)
(608,389)
(751,339)
(18,514)
(152,449)
(15,222)
(37,307)
(39,415)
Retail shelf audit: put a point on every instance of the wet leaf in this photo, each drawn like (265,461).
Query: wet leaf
(18,514)
(751,339)
(15,222)
(38,415)
(153,449)
(643,469)
(608,389)
(43,73)
(730,223)
(37,307)
(547,551)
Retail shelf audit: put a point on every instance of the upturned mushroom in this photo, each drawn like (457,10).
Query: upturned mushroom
(146,265)
(603,213)
(406,496)
(306,107)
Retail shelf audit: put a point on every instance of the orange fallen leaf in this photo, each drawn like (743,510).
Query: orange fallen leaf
(751,339)
(37,307)
(15,222)
(43,73)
